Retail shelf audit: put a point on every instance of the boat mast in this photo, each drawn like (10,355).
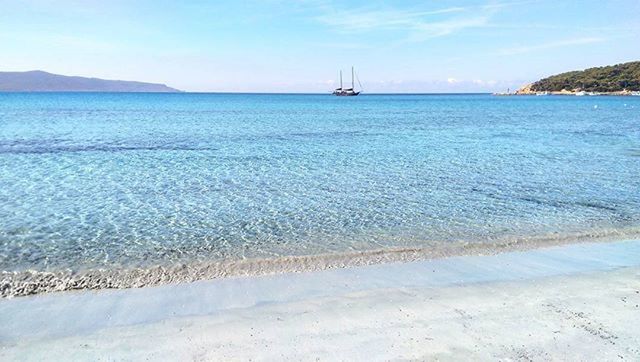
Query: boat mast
(341,79)
(352,84)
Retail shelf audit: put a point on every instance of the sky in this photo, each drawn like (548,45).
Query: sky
(299,46)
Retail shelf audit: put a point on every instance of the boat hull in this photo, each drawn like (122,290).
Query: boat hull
(346,94)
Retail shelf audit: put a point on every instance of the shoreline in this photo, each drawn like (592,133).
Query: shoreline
(30,282)
(569,93)
(562,302)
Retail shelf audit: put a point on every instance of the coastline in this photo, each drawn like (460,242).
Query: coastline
(29,282)
(568,93)
(528,90)
(573,301)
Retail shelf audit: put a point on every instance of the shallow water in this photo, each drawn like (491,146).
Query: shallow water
(124,180)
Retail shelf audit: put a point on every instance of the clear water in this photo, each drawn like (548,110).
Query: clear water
(120,180)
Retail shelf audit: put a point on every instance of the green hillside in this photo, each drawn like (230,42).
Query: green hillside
(611,78)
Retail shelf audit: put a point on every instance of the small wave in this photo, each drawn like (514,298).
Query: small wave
(99,148)
(595,205)
(565,204)
(555,203)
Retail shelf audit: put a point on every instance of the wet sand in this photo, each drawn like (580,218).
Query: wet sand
(29,282)
(573,302)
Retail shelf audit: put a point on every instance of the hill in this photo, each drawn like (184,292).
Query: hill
(613,78)
(39,81)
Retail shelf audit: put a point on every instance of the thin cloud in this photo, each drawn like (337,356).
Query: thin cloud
(61,41)
(417,25)
(550,45)
(425,31)
(440,85)
(339,45)
(354,20)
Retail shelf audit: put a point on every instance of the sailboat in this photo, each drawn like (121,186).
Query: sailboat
(346,92)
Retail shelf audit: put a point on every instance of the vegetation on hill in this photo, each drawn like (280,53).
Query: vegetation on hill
(613,78)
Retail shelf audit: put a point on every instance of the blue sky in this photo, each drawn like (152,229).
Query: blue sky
(298,46)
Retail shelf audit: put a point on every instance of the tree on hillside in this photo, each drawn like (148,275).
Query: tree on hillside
(611,78)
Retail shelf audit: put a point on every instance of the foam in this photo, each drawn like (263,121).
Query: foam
(13,284)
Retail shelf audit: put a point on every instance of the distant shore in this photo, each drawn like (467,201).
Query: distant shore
(576,92)
(612,80)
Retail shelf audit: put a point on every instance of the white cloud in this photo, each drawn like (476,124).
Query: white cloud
(550,45)
(341,45)
(417,25)
(450,85)
(424,31)
(364,20)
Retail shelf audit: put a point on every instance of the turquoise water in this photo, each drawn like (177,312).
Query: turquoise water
(121,180)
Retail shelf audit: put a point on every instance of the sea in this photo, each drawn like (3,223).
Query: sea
(118,181)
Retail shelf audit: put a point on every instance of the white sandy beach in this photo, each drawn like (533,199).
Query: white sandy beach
(575,302)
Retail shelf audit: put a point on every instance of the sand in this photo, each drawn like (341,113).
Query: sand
(30,282)
(575,302)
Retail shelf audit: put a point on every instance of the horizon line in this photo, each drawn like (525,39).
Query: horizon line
(253,93)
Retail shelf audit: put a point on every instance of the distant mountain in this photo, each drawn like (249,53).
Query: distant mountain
(613,78)
(39,81)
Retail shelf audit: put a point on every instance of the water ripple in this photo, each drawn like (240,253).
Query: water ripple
(123,181)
